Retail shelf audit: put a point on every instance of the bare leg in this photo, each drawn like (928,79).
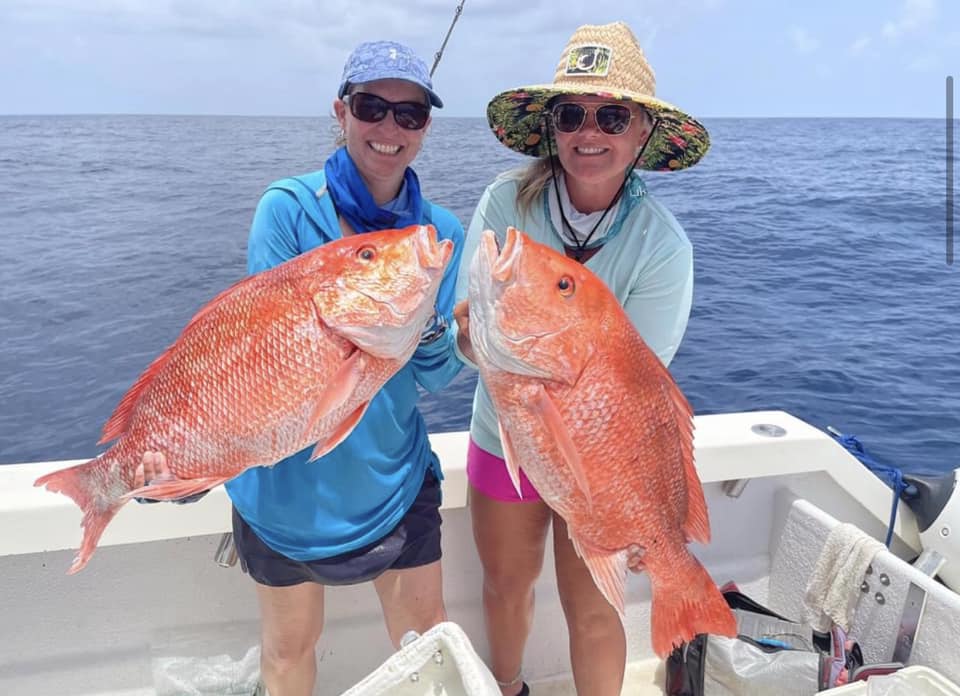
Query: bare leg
(412,599)
(598,647)
(510,539)
(292,619)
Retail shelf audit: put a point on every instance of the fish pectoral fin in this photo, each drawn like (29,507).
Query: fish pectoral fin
(561,435)
(608,570)
(341,386)
(510,458)
(340,434)
(174,489)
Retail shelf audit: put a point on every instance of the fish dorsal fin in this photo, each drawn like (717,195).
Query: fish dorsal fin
(608,570)
(558,430)
(117,424)
(218,300)
(696,525)
(119,420)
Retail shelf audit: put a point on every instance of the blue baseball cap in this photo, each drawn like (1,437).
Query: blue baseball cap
(383,60)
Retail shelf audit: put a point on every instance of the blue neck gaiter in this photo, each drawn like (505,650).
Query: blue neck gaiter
(354,202)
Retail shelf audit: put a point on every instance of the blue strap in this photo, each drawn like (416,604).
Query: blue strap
(891,475)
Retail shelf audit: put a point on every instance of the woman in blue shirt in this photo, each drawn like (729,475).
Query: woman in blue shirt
(369,509)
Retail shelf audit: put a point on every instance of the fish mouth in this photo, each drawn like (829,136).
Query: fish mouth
(432,254)
(504,261)
(495,269)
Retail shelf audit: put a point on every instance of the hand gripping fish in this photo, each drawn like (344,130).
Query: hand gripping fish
(283,359)
(599,427)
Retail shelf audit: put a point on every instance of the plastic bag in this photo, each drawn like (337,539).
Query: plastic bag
(218,675)
(770,655)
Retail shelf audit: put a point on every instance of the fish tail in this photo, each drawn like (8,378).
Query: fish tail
(685,602)
(95,487)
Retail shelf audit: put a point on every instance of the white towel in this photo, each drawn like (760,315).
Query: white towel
(834,586)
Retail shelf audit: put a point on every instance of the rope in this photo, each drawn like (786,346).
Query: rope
(439,54)
(581,247)
(893,475)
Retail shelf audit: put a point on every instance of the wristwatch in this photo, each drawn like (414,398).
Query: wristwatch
(434,330)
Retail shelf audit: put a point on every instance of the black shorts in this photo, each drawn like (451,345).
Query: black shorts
(414,542)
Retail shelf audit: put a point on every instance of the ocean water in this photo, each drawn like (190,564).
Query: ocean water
(822,286)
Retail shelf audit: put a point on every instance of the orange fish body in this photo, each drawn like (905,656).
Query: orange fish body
(283,359)
(599,427)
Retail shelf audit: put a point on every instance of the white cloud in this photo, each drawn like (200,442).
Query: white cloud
(915,16)
(860,45)
(802,41)
(329,21)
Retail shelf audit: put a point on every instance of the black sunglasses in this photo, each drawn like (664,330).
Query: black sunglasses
(373,109)
(612,119)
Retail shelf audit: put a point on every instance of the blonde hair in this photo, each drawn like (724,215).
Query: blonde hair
(533,179)
(339,135)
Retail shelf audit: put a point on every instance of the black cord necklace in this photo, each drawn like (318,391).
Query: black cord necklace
(580,250)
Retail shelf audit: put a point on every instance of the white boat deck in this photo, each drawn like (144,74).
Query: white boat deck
(152,590)
(642,678)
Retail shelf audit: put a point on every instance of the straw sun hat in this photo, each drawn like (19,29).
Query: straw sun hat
(603,60)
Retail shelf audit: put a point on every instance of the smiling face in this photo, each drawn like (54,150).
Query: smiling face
(382,150)
(595,162)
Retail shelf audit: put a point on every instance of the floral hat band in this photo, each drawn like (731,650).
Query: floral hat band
(605,61)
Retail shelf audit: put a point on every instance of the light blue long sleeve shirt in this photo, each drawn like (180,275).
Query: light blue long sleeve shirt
(358,492)
(647,261)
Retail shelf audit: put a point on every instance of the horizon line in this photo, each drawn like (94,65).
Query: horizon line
(436,115)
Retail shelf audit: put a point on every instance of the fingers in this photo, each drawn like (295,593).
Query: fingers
(149,466)
(461,314)
(152,466)
(466,347)
(635,554)
(139,476)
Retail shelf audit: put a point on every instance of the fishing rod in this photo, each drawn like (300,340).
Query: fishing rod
(439,54)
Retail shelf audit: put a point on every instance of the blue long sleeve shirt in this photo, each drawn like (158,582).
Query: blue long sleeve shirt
(360,490)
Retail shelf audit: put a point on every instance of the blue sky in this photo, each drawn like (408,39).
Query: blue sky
(283,57)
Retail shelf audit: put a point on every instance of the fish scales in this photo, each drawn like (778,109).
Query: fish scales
(598,425)
(282,360)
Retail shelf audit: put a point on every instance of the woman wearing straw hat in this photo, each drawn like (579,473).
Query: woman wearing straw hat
(589,130)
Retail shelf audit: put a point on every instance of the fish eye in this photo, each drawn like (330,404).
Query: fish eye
(367,253)
(566,286)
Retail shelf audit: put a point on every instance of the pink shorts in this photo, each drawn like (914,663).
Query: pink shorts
(488,474)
